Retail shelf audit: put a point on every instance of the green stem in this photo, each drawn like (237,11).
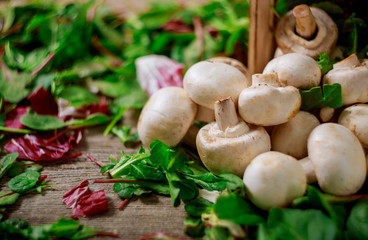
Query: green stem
(114,120)
(14,130)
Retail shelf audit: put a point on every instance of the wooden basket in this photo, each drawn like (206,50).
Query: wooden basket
(261,46)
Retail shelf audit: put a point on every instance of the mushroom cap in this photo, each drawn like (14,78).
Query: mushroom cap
(231,151)
(296,70)
(338,159)
(291,137)
(167,116)
(235,63)
(324,41)
(355,118)
(326,113)
(267,105)
(206,82)
(353,81)
(274,179)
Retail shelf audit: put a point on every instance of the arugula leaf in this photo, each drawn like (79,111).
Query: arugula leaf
(123,133)
(6,163)
(167,158)
(330,96)
(233,208)
(196,207)
(24,181)
(42,122)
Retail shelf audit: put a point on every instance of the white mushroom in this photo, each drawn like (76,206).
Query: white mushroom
(205,114)
(291,137)
(274,179)
(355,118)
(167,116)
(306,30)
(337,158)
(228,145)
(296,70)
(235,63)
(353,78)
(265,103)
(206,82)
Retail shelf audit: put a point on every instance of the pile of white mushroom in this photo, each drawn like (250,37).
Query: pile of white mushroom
(259,132)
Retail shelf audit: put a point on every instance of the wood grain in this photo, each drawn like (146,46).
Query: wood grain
(144,215)
(261,46)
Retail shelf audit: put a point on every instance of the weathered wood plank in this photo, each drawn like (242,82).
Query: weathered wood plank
(148,214)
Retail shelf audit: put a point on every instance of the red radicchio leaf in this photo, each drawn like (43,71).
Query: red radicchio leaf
(42,102)
(91,204)
(100,107)
(84,202)
(177,26)
(156,71)
(67,112)
(36,148)
(12,118)
(71,197)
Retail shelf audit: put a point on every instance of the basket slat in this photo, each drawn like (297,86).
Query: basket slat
(261,39)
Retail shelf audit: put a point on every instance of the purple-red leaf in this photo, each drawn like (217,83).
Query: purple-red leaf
(84,202)
(71,197)
(42,102)
(37,148)
(156,71)
(12,118)
(91,204)
(177,26)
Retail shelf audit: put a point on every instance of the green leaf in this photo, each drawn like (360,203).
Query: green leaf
(357,222)
(9,199)
(299,224)
(330,96)
(24,182)
(123,133)
(64,228)
(42,122)
(15,130)
(196,207)
(14,89)
(91,120)
(20,167)
(127,190)
(78,96)
(134,99)
(325,63)
(6,162)
(193,227)
(168,158)
(123,166)
(233,208)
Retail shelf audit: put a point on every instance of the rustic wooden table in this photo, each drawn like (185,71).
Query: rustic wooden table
(144,215)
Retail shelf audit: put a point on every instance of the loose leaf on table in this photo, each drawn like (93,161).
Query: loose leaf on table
(123,133)
(71,196)
(42,122)
(24,182)
(12,120)
(43,102)
(22,166)
(37,148)
(6,162)
(330,96)
(91,120)
(8,198)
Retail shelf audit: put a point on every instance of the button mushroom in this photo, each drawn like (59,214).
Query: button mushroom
(228,145)
(206,82)
(353,78)
(235,63)
(265,103)
(307,31)
(291,137)
(336,159)
(274,179)
(296,70)
(355,118)
(167,116)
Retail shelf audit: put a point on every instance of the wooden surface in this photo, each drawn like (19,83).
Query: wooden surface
(261,46)
(144,215)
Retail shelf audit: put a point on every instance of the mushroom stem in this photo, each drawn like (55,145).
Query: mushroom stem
(308,169)
(225,113)
(266,79)
(305,23)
